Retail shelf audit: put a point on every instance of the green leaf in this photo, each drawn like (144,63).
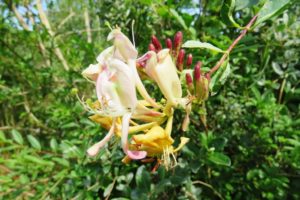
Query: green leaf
(2,136)
(34,142)
(241,4)
(219,159)
(53,144)
(38,160)
(17,137)
(142,178)
(227,11)
(220,77)
(61,161)
(108,189)
(178,18)
(201,45)
(277,68)
(270,9)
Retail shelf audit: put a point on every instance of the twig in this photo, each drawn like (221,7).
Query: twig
(40,41)
(66,19)
(74,32)
(20,18)
(225,55)
(47,192)
(281,90)
(3,128)
(46,23)
(87,25)
(209,186)
(109,193)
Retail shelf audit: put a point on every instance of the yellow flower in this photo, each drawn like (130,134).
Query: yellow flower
(158,143)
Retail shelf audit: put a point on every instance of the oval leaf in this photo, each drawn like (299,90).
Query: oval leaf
(38,160)
(227,12)
(201,45)
(219,159)
(270,9)
(34,142)
(53,144)
(220,77)
(178,18)
(17,137)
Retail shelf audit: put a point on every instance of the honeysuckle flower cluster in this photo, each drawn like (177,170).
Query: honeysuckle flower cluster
(144,125)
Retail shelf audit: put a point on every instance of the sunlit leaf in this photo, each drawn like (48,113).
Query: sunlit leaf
(108,189)
(38,160)
(242,4)
(34,142)
(178,18)
(277,69)
(270,9)
(201,45)
(17,137)
(53,144)
(227,12)
(220,77)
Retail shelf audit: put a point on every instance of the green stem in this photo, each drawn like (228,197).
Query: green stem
(225,55)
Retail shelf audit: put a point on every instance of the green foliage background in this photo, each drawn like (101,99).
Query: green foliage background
(252,150)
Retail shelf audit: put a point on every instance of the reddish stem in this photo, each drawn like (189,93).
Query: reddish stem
(243,33)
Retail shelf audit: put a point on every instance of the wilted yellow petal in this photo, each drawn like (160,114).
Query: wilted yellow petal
(105,122)
(126,160)
(183,141)
(138,128)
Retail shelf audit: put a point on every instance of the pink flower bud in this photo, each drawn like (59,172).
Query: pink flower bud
(156,43)
(180,59)
(188,78)
(189,60)
(169,43)
(178,40)
(151,47)
(197,71)
(207,76)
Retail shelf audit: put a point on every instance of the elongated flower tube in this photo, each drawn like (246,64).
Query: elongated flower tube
(161,68)
(116,78)
(92,71)
(94,150)
(116,89)
(125,48)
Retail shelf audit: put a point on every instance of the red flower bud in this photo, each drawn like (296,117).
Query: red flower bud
(189,60)
(151,47)
(189,82)
(178,40)
(207,76)
(188,78)
(169,43)
(180,59)
(197,71)
(156,43)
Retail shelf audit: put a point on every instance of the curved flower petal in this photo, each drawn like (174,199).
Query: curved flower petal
(135,155)
(183,141)
(106,92)
(94,150)
(105,55)
(92,71)
(123,44)
(139,84)
(125,84)
(162,69)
